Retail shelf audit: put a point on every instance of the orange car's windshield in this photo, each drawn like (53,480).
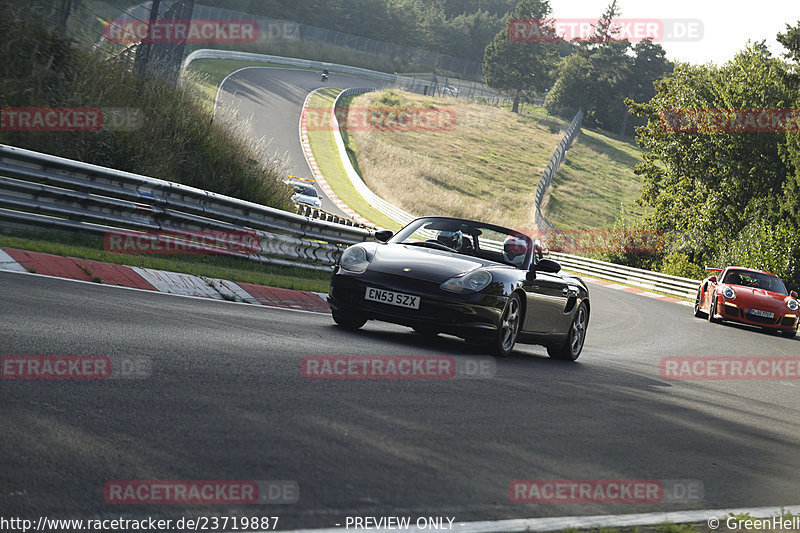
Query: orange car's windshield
(756,280)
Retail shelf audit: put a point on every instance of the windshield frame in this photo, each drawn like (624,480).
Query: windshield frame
(404,236)
(755,275)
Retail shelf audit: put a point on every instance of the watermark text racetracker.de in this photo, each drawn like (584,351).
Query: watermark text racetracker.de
(403,367)
(220,492)
(181,242)
(716,120)
(634,30)
(605,490)
(61,119)
(398,119)
(599,241)
(74,367)
(712,368)
(128,31)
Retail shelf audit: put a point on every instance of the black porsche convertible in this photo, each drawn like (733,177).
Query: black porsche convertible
(477,281)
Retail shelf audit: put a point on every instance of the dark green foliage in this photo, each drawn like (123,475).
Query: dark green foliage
(460,28)
(726,197)
(522,69)
(173,137)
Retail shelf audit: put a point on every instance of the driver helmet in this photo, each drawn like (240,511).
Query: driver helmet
(515,249)
(451,239)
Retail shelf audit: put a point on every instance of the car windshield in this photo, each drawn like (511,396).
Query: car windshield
(757,280)
(306,190)
(467,237)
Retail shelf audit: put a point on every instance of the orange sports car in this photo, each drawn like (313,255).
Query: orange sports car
(748,296)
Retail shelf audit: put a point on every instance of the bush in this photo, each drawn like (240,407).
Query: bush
(172,136)
(678,264)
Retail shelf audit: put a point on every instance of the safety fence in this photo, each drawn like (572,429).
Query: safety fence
(549,172)
(42,190)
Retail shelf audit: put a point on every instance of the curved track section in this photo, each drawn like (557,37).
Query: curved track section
(271,99)
(226,400)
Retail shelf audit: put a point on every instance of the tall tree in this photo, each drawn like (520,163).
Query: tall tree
(705,186)
(521,68)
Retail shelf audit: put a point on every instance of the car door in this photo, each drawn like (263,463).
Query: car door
(546,299)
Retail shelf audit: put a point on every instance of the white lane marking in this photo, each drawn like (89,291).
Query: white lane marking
(232,290)
(558,523)
(176,283)
(93,284)
(9,263)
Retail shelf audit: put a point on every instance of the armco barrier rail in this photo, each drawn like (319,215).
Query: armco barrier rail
(557,158)
(646,279)
(47,191)
(206,53)
(385,207)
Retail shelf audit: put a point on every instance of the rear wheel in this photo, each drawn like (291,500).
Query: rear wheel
(348,322)
(503,342)
(697,312)
(572,346)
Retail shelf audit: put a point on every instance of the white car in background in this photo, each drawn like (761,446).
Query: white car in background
(304,192)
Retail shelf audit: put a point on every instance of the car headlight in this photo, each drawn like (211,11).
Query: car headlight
(792,304)
(472,282)
(728,293)
(354,259)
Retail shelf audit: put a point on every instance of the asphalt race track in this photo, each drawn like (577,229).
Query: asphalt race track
(226,401)
(270,100)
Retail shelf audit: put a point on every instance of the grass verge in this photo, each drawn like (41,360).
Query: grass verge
(327,156)
(465,159)
(223,267)
(595,182)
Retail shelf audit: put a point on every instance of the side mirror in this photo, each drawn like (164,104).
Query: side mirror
(713,279)
(384,235)
(547,265)
(793,294)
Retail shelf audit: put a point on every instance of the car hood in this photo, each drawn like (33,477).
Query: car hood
(422,263)
(759,298)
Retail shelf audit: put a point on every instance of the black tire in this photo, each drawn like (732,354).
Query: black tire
(572,346)
(425,332)
(712,310)
(502,344)
(697,312)
(348,322)
(789,334)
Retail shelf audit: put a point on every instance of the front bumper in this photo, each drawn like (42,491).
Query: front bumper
(462,315)
(787,321)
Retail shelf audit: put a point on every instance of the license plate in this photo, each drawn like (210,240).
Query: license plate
(765,314)
(392,298)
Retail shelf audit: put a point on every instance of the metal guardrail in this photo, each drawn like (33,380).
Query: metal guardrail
(540,221)
(646,279)
(206,53)
(385,207)
(48,191)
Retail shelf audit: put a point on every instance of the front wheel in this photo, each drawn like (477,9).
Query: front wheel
(572,346)
(348,322)
(789,334)
(712,310)
(697,312)
(506,337)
